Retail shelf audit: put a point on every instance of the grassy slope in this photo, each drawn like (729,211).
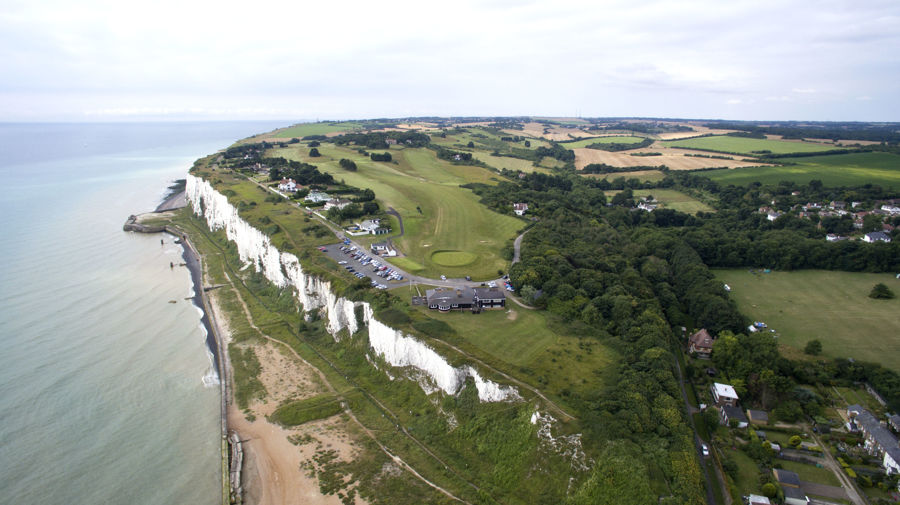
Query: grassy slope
(833,307)
(837,170)
(451,218)
(743,145)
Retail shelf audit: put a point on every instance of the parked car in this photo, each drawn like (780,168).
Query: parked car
(705,450)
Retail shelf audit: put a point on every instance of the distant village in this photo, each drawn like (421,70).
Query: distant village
(884,210)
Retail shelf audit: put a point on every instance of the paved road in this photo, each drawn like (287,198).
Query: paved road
(710,495)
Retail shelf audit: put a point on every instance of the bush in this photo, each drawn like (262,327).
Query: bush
(813,347)
(795,441)
(310,409)
(881,292)
(314,153)
(769,490)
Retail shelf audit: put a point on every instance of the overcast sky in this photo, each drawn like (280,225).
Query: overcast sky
(306,60)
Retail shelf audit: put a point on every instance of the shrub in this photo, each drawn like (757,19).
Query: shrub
(881,292)
(769,490)
(813,347)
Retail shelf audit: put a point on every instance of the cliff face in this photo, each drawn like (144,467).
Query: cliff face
(285,271)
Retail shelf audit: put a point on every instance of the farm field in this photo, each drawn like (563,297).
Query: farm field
(833,307)
(671,199)
(451,218)
(744,145)
(673,158)
(835,170)
(602,140)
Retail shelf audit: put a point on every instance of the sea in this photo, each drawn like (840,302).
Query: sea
(108,393)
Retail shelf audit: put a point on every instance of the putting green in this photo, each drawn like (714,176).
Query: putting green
(452,258)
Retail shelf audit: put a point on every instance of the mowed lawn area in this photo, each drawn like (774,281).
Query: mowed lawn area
(437,214)
(833,307)
(744,145)
(850,169)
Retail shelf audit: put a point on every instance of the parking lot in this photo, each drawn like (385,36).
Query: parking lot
(365,264)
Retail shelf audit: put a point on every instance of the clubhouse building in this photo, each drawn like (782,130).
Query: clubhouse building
(474,299)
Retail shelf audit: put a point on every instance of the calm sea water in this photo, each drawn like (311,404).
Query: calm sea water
(107,391)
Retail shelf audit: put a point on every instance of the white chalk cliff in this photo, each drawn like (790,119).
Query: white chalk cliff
(284,270)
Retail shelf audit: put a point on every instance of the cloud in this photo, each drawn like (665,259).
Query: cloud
(354,58)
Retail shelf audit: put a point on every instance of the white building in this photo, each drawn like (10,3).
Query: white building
(724,394)
(287,185)
(520,208)
(336,203)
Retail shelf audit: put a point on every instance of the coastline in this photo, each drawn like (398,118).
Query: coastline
(214,336)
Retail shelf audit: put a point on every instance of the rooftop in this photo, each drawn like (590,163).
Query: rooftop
(725,391)
(787,477)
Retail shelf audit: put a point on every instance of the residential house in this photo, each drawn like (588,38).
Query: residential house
(391,142)
(287,185)
(794,496)
(755,499)
(771,216)
(701,343)
(879,441)
(384,249)
(724,394)
(876,236)
(338,203)
(832,237)
(894,421)
(838,205)
(317,197)
(520,208)
(649,207)
(758,416)
(728,413)
(893,210)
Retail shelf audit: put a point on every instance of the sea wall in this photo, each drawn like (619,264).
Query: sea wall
(285,271)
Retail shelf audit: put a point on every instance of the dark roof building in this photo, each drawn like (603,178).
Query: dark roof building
(879,440)
(758,416)
(787,478)
(701,343)
(446,299)
(729,413)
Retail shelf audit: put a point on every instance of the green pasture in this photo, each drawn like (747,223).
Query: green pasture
(302,130)
(601,140)
(451,217)
(744,145)
(835,170)
(833,307)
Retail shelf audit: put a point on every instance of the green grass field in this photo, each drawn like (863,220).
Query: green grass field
(833,307)
(835,170)
(305,129)
(671,199)
(642,175)
(501,162)
(810,473)
(602,140)
(524,343)
(451,217)
(743,145)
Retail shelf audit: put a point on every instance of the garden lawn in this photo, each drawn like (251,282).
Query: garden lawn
(811,473)
(833,307)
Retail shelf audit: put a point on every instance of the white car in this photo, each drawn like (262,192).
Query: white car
(705,450)
(443,277)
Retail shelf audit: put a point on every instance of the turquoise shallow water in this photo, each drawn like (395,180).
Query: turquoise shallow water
(107,391)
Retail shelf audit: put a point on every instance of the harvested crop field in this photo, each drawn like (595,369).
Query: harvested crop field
(675,159)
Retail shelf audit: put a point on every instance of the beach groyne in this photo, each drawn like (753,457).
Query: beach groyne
(214,341)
